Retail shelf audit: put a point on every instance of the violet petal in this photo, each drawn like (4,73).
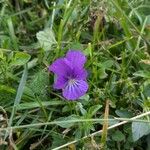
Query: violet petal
(80,73)
(60,67)
(75,90)
(60,82)
(76,58)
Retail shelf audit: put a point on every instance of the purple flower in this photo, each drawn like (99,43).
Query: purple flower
(70,74)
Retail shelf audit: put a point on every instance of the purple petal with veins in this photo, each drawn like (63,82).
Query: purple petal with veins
(76,58)
(75,89)
(71,75)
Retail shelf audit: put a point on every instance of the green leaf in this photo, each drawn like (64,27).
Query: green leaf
(20,58)
(19,94)
(103,67)
(144,74)
(76,45)
(146,88)
(58,140)
(1,54)
(102,73)
(140,129)
(93,110)
(108,64)
(124,113)
(46,39)
(85,99)
(118,136)
(32,105)
(7,89)
(39,82)
(66,124)
(12,33)
(80,107)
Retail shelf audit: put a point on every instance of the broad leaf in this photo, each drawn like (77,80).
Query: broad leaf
(46,39)
(20,58)
(140,129)
(118,136)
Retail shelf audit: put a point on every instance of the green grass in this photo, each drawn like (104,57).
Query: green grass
(115,37)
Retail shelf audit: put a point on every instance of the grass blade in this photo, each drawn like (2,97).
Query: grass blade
(19,95)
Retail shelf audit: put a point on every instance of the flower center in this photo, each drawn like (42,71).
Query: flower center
(72,81)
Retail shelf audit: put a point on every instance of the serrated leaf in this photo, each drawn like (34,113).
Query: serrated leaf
(20,58)
(46,39)
(140,129)
(39,82)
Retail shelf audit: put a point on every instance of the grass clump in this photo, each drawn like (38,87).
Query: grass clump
(114,36)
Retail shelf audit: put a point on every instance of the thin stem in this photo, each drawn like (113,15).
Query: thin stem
(125,120)
(99,132)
